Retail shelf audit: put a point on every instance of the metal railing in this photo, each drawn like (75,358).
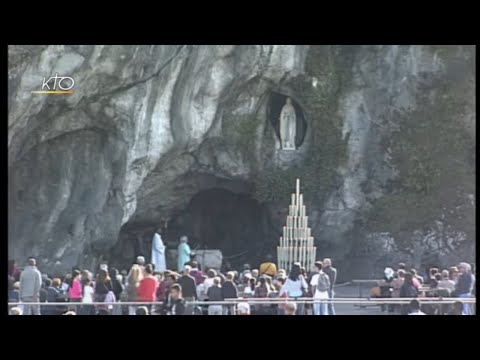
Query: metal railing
(267,301)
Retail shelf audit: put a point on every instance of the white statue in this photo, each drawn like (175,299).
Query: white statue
(288,125)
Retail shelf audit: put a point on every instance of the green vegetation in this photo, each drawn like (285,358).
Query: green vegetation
(241,130)
(435,158)
(327,149)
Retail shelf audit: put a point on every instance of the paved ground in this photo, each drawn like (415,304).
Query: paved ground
(350,309)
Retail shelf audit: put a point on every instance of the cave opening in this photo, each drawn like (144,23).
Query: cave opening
(214,219)
(276,101)
(234,223)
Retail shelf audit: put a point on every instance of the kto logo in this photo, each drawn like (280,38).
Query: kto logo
(57,85)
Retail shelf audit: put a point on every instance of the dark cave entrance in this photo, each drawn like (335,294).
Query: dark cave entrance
(232,222)
(275,103)
(236,224)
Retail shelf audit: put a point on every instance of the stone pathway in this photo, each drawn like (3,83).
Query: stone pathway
(351,309)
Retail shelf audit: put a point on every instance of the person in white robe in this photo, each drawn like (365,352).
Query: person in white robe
(158,252)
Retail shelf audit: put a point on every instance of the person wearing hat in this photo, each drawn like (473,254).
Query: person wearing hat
(268,267)
(184,253)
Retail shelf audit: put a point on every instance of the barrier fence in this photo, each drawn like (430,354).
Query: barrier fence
(268,301)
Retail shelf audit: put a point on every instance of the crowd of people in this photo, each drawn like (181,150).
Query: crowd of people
(79,292)
(457,281)
(110,291)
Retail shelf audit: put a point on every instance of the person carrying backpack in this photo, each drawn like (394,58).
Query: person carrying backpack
(320,285)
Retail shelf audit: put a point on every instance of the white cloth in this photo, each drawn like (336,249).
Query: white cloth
(110,299)
(417,313)
(248,290)
(87,294)
(158,253)
(243,308)
(318,294)
(206,284)
(294,288)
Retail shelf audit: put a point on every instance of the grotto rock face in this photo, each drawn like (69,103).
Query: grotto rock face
(387,159)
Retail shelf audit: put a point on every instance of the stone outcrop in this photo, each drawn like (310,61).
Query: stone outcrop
(387,155)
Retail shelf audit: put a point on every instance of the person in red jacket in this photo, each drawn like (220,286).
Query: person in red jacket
(147,288)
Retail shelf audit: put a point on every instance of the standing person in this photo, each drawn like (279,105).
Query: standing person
(75,290)
(196,272)
(396,286)
(103,289)
(229,291)
(13,270)
(432,282)
(147,288)
(189,289)
(332,275)
(246,270)
(56,294)
(416,278)
(453,274)
(464,286)
(262,291)
(170,280)
(117,289)
(295,286)
(278,286)
(183,253)
(133,282)
(211,274)
(158,252)
(52,294)
(320,284)
(408,290)
(66,281)
(214,293)
(177,302)
(30,285)
(88,295)
(268,267)
(385,286)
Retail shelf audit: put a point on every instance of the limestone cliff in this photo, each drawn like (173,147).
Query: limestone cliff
(386,146)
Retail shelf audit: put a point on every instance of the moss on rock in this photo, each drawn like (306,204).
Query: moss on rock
(326,150)
(434,155)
